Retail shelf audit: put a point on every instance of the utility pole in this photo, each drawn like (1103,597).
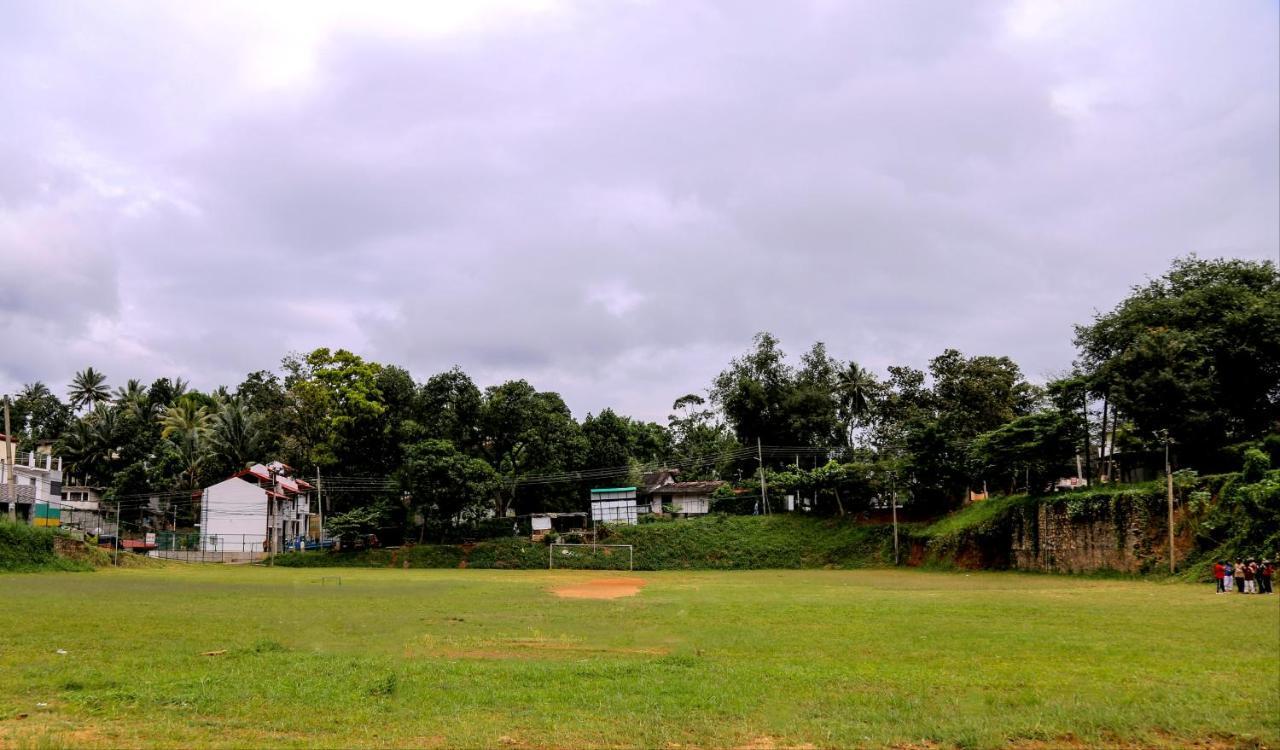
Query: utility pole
(319,512)
(115,547)
(1168,477)
(764,486)
(893,504)
(10,458)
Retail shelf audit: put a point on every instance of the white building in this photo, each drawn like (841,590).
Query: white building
(616,505)
(683,498)
(260,509)
(35,480)
(663,493)
(82,508)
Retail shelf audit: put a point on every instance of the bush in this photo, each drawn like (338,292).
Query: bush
(1256,464)
(716,542)
(28,548)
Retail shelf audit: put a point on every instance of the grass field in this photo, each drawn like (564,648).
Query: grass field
(469,658)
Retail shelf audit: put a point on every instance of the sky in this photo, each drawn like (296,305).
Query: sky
(609,199)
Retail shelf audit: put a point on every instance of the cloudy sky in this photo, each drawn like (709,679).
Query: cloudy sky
(610,198)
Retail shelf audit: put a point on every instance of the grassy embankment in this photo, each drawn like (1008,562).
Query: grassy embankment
(29,549)
(1220,516)
(716,542)
(215,656)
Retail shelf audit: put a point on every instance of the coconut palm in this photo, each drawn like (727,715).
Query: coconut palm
(185,416)
(90,444)
(79,450)
(855,389)
(192,452)
(33,392)
(88,388)
(235,434)
(130,393)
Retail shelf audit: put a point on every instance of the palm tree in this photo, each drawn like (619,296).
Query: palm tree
(235,434)
(134,400)
(79,449)
(31,401)
(33,392)
(185,417)
(89,446)
(130,393)
(855,389)
(192,452)
(88,388)
(185,425)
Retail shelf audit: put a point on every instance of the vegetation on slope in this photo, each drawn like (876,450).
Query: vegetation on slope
(28,549)
(717,542)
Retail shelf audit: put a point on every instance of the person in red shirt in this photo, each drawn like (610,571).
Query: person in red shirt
(1220,573)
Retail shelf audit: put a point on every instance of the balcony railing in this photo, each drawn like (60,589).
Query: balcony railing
(34,460)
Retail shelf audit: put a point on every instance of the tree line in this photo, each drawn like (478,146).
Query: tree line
(1192,357)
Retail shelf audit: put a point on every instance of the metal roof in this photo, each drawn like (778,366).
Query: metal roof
(614,489)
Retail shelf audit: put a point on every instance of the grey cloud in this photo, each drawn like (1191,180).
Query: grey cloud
(611,199)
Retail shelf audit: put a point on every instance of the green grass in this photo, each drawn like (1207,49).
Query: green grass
(484,658)
(715,542)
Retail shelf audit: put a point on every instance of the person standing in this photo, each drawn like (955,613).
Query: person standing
(1239,577)
(1251,577)
(1228,576)
(1268,570)
(1219,573)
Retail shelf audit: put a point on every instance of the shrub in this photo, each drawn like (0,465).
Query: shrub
(1256,464)
(27,549)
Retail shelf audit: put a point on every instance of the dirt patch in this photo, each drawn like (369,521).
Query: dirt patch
(600,588)
(533,649)
(769,743)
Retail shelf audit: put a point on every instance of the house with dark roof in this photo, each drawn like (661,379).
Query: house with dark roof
(665,493)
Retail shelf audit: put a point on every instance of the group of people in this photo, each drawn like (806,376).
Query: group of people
(1246,577)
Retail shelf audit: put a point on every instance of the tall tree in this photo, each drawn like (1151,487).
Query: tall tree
(88,389)
(235,436)
(526,431)
(450,408)
(445,485)
(38,414)
(855,391)
(696,432)
(1195,352)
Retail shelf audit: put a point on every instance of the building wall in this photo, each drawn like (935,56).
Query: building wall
(692,504)
(233,515)
(614,511)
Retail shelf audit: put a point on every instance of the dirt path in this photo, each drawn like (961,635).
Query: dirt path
(600,588)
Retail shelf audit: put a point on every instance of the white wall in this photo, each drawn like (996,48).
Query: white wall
(614,511)
(691,504)
(233,516)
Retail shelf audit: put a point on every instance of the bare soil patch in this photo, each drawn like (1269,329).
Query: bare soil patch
(533,649)
(600,588)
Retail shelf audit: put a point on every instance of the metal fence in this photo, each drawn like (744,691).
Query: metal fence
(195,547)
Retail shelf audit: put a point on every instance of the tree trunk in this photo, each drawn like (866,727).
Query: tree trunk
(1088,448)
(1102,458)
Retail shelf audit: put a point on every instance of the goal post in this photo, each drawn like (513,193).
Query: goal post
(566,553)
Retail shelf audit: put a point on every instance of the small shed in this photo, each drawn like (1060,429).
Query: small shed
(685,498)
(541,524)
(615,505)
